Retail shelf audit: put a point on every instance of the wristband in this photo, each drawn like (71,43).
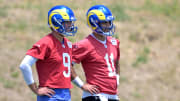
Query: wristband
(78,82)
(117,77)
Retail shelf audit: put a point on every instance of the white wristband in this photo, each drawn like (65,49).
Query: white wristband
(78,82)
(117,77)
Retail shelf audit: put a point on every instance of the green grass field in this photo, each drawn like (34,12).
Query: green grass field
(148,30)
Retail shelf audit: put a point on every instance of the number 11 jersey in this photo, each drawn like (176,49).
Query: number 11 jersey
(99,62)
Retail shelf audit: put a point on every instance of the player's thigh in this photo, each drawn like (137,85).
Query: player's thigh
(91,98)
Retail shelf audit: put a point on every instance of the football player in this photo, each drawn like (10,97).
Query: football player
(99,55)
(52,55)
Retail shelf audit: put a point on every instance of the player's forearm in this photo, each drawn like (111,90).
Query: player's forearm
(117,68)
(33,87)
(73,73)
(117,72)
(75,79)
(25,68)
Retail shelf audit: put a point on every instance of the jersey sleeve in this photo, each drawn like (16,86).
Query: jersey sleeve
(39,50)
(79,52)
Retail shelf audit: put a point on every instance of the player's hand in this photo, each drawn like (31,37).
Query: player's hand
(93,89)
(45,91)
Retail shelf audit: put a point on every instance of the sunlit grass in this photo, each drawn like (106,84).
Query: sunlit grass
(142,57)
(135,37)
(3,11)
(177,33)
(15,74)
(171,9)
(137,95)
(123,79)
(7,83)
(17,36)
(19,25)
(119,10)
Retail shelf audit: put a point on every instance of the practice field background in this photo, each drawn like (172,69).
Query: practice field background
(149,32)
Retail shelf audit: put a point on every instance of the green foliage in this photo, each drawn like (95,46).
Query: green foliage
(20,24)
(7,83)
(94,2)
(72,39)
(116,35)
(41,28)
(33,96)
(3,11)
(137,95)
(123,99)
(1,79)
(177,34)
(119,11)
(15,74)
(168,9)
(28,44)
(134,37)
(142,57)
(123,79)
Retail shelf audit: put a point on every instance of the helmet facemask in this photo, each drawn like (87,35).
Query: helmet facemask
(106,28)
(66,27)
(102,28)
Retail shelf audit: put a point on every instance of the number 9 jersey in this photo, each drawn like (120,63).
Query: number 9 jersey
(99,62)
(54,61)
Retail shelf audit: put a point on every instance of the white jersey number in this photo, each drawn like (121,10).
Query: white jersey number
(66,64)
(110,68)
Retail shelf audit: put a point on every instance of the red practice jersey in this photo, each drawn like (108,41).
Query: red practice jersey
(54,62)
(98,62)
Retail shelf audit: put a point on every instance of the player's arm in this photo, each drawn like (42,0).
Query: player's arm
(117,64)
(117,71)
(26,70)
(78,82)
(73,73)
(117,68)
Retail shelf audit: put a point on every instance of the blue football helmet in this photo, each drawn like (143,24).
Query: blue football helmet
(56,18)
(98,14)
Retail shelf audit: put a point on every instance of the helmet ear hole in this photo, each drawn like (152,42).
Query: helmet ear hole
(54,22)
(59,14)
(92,21)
